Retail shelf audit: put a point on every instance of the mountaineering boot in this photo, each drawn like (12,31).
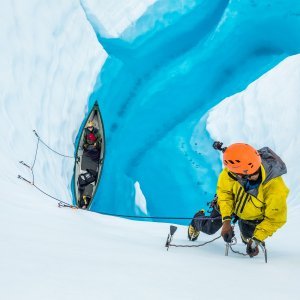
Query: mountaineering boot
(193,233)
(84,203)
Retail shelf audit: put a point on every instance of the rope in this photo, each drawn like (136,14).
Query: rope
(33,164)
(62,203)
(237,252)
(39,189)
(261,245)
(39,138)
(192,246)
(36,152)
(115,215)
(111,214)
(35,156)
(49,195)
(152,217)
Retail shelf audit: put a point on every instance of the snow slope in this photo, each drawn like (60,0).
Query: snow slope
(51,59)
(53,253)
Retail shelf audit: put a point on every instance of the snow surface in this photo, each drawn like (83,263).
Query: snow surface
(51,59)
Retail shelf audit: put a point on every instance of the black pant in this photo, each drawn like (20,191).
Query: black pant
(247,228)
(211,226)
(206,224)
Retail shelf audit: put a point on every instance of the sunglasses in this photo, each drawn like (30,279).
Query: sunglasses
(247,176)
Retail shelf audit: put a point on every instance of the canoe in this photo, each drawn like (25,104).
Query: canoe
(89,162)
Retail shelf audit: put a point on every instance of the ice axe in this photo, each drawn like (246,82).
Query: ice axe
(170,236)
(229,240)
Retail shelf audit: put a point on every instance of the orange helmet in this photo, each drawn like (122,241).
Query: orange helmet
(241,159)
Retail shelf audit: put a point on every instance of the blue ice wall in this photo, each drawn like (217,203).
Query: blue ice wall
(162,76)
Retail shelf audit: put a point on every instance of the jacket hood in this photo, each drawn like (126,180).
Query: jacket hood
(272,163)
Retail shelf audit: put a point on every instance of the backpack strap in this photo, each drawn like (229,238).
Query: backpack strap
(232,176)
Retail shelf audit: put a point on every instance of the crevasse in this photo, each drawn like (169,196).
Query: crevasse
(162,76)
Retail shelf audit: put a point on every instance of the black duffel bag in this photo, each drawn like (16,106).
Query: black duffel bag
(86,178)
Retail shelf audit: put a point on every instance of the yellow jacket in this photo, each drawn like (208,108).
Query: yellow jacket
(267,202)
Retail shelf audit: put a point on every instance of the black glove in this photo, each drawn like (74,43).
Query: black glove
(227,232)
(228,236)
(252,247)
